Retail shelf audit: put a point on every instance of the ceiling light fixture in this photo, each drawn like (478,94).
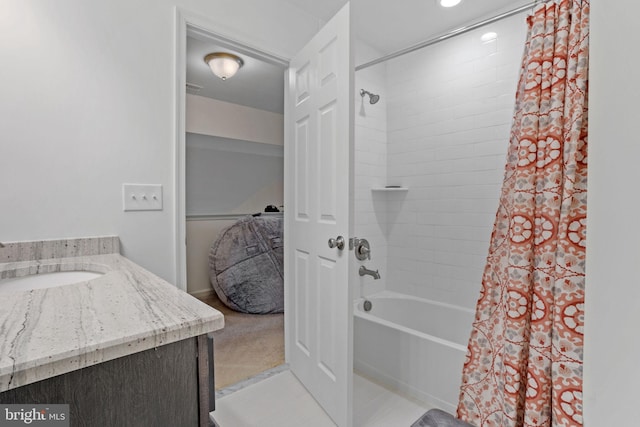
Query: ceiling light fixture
(449,3)
(223,64)
(487,37)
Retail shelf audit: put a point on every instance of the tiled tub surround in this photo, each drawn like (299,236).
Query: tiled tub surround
(48,332)
(449,113)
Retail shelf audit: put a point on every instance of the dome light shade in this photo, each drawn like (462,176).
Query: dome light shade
(223,64)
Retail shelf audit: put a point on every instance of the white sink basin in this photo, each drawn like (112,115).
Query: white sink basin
(46,280)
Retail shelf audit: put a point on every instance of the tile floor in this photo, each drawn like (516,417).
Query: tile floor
(281,401)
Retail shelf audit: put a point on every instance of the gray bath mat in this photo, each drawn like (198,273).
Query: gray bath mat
(438,418)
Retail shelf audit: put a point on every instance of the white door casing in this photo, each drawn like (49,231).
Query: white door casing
(318,153)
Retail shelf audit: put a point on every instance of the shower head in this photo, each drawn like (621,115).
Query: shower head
(372,98)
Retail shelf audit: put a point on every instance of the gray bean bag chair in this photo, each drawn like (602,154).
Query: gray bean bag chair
(246,265)
(439,418)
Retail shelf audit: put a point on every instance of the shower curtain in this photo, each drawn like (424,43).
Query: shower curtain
(524,360)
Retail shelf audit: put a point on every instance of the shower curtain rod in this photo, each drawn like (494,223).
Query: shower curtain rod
(450,34)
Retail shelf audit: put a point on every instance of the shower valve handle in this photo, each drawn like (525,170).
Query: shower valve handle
(363,252)
(362,249)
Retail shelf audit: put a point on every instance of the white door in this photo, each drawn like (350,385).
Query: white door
(318,142)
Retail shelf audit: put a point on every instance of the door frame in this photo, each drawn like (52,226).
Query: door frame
(189,23)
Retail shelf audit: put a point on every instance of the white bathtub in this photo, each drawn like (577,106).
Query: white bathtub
(413,345)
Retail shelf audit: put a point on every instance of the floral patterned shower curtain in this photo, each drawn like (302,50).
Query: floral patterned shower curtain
(524,360)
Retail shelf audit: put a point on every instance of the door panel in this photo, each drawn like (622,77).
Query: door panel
(326,304)
(327,208)
(318,133)
(302,303)
(301,169)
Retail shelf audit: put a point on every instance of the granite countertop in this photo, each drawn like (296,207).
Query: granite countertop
(48,332)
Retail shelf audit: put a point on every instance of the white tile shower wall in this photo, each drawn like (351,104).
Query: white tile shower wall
(449,113)
(370,170)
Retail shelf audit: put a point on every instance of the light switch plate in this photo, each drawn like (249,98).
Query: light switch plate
(142,197)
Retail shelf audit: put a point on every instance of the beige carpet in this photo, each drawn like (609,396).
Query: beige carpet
(248,344)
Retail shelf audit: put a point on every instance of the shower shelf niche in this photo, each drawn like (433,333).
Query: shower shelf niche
(389,189)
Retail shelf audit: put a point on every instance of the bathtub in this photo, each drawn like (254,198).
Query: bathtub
(413,345)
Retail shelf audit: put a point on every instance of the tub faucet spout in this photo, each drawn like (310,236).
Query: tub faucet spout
(365,271)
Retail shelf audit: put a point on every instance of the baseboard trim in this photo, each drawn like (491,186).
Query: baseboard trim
(202,294)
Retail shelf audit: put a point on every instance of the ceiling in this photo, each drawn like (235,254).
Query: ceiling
(258,84)
(387,26)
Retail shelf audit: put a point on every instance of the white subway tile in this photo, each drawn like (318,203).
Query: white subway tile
(441,129)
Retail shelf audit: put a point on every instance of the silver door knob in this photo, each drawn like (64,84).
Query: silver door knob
(337,243)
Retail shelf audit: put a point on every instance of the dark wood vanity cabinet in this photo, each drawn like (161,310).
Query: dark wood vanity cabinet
(170,385)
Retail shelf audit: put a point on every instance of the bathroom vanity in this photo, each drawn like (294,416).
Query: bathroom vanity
(124,348)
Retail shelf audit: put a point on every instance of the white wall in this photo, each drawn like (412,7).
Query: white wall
(208,116)
(612,314)
(234,162)
(225,177)
(449,114)
(229,176)
(370,170)
(87,100)
(200,236)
